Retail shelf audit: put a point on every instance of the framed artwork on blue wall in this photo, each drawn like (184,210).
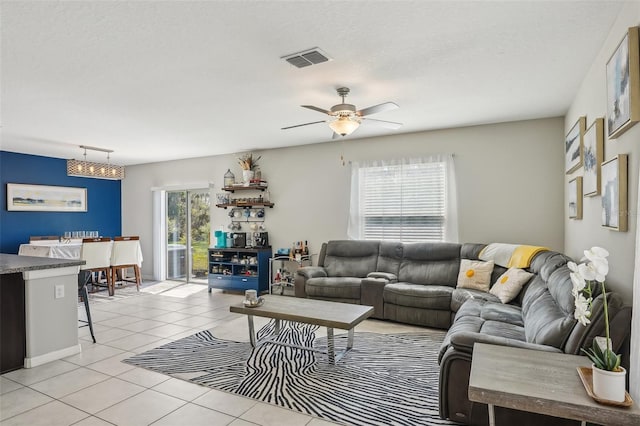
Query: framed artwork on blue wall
(44,198)
(623,85)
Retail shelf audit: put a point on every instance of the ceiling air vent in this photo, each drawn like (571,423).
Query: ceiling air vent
(307,57)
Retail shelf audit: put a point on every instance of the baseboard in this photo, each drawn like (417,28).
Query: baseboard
(51,356)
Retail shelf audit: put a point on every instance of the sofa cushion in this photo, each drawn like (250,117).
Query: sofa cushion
(475,274)
(471,308)
(430,263)
(548,318)
(418,296)
(461,295)
(351,258)
(334,287)
(509,314)
(503,329)
(389,257)
(507,287)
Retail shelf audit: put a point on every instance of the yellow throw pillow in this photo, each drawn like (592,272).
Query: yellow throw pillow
(475,274)
(507,287)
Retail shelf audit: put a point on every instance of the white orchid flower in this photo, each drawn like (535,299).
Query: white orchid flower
(597,257)
(572,266)
(582,312)
(587,271)
(578,282)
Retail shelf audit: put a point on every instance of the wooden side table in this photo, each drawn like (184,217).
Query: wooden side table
(539,382)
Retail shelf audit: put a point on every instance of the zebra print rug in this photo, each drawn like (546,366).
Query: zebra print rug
(386,379)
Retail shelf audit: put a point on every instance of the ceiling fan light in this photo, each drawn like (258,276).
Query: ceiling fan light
(344,125)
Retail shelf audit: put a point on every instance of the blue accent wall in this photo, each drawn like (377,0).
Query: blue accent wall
(104,201)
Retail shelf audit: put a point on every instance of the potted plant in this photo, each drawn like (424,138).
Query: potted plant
(249,165)
(608,376)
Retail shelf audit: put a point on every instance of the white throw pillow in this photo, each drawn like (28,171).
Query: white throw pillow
(507,287)
(475,274)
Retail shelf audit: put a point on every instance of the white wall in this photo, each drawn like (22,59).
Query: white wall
(591,102)
(507,173)
(582,234)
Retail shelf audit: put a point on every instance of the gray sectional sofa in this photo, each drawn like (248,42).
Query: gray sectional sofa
(416,284)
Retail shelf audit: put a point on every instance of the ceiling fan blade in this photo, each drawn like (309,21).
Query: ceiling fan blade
(383,123)
(300,125)
(315,108)
(387,106)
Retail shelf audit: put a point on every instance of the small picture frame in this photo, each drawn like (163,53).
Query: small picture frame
(575,198)
(623,85)
(613,188)
(573,145)
(593,155)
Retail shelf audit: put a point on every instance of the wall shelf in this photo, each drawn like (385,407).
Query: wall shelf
(245,188)
(246,205)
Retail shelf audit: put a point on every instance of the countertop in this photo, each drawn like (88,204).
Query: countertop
(12,263)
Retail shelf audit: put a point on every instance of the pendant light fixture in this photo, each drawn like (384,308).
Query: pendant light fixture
(84,168)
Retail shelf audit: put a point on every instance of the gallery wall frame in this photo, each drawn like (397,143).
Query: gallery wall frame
(593,155)
(575,198)
(613,188)
(573,145)
(45,198)
(623,85)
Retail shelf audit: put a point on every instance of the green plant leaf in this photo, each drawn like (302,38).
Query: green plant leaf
(607,360)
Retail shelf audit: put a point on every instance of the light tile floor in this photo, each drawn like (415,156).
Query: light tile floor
(95,388)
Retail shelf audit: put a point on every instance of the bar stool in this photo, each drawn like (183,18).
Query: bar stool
(96,252)
(83,280)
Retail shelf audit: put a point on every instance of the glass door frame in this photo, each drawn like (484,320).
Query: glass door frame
(188,262)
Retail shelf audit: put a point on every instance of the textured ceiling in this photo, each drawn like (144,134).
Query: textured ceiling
(162,80)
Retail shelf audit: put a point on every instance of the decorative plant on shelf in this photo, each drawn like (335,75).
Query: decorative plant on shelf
(247,162)
(585,277)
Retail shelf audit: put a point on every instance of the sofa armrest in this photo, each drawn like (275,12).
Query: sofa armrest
(392,278)
(302,275)
(464,341)
(371,290)
(311,272)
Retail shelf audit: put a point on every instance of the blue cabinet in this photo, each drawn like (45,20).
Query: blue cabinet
(238,269)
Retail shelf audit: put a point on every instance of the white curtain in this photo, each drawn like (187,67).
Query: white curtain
(159,223)
(356,223)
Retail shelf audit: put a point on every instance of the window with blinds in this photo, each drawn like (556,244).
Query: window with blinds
(403,202)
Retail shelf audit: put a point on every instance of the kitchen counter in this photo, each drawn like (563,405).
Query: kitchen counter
(12,263)
(38,310)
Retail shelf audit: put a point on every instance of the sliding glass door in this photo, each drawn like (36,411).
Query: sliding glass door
(188,230)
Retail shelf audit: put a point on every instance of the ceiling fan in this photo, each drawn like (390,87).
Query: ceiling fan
(345,119)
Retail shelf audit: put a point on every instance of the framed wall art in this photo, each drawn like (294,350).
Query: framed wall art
(613,187)
(573,145)
(623,85)
(593,154)
(44,198)
(575,198)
